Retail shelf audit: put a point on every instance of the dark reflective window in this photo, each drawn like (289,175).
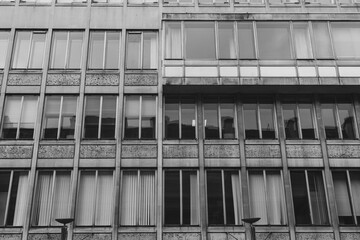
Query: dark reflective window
(200,40)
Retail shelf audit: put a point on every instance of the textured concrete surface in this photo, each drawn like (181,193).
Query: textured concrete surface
(92,236)
(303,151)
(56,151)
(102,79)
(272,236)
(141,79)
(314,236)
(97,151)
(63,80)
(262,151)
(344,151)
(181,236)
(137,236)
(16,151)
(222,151)
(180,151)
(226,236)
(139,151)
(349,236)
(24,79)
(10,236)
(46,236)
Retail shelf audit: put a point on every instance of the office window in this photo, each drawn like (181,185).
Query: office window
(66,50)
(338,119)
(246,40)
(70,1)
(100,116)
(4,43)
(108,1)
(226,43)
(141,50)
(346,38)
(267,198)
(181,201)
(259,120)
(173,40)
(52,197)
(309,198)
(274,40)
(200,41)
(223,197)
(219,118)
(322,40)
(178,1)
(104,50)
(347,196)
(138,198)
(302,40)
(299,120)
(94,198)
(19,117)
(13,194)
(140,117)
(36,1)
(142,1)
(59,117)
(180,118)
(29,50)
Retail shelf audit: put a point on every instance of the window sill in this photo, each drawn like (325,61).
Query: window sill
(48,4)
(179,228)
(139,141)
(94,4)
(261,141)
(144,229)
(180,141)
(343,141)
(16,141)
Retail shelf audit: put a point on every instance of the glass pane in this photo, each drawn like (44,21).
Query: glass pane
(172,118)
(108,117)
(267,121)
(11,117)
(302,40)
(346,37)
(132,108)
(317,198)
(42,202)
(59,49)
(28,117)
(75,49)
(61,197)
(306,121)
(173,40)
(133,54)
(275,198)
(147,198)
(250,121)
(86,199)
(215,198)
(246,40)
(227,120)
(96,50)
(355,190)
(342,198)
(37,50)
(18,199)
(232,197)
(92,112)
(274,40)
(22,49)
(190,198)
(329,120)
(4,41)
(290,121)
(347,120)
(211,121)
(200,40)
(172,197)
(188,121)
(112,50)
(300,197)
(68,117)
(4,189)
(150,50)
(129,198)
(257,193)
(148,117)
(226,40)
(104,196)
(51,117)
(322,40)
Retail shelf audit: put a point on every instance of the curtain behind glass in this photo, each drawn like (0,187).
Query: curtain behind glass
(86,199)
(21,197)
(275,198)
(4,40)
(104,198)
(236,188)
(42,203)
(129,198)
(317,198)
(258,197)
(147,199)
(61,197)
(173,40)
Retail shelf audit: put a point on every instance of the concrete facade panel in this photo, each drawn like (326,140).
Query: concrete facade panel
(56,151)
(226,236)
(222,151)
(181,236)
(63,80)
(16,151)
(24,80)
(139,151)
(48,236)
(180,151)
(10,236)
(344,151)
(108,18)
(314,236)
(137,236)
(97,151)
(349,236)
(33,17)
(303,151)
(272,236)
(262,151)
(92,236)
(102,79)
(70,17)
(6,16)
(141,80)
(142,18)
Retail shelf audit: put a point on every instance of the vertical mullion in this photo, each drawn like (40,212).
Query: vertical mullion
(348,180)
(298,116)
(8,197)
(196,120)
(104,53)
(51,202)
(266,198)
(30,49)
(180,115)
(181,196)
(308,196)
(219,118)
(275,120)
(67,50)
(60,116)
(156,115)
(100,116)
(20,115)
(216,31)
(223,195)
(140,119)
(258,115)
(95,204)
(236,121)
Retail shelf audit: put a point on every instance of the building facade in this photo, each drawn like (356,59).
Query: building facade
(177,119)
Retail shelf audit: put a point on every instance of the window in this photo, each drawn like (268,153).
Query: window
(299,120)
(339,119)
(246,40)
(52,197)
(36,1)
(173,40)
(137,206)
(178,1)
(71,1)
(29,50)
(226,43)
(223,197)
(181,201)
(259,120)
(100,116)
(59,117)
(13,194)
(200,40)
(140,117)
(346,37)
(94,199)
(104,50)
(274,40)
(213,2)
(322,40)
(267,198)
(302,40)
(141,50)
(66,50)
(347,196)
(180,118)
(4,42)
(142,1)
(19,117)
(219,118)
(108,1)
(309,198)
